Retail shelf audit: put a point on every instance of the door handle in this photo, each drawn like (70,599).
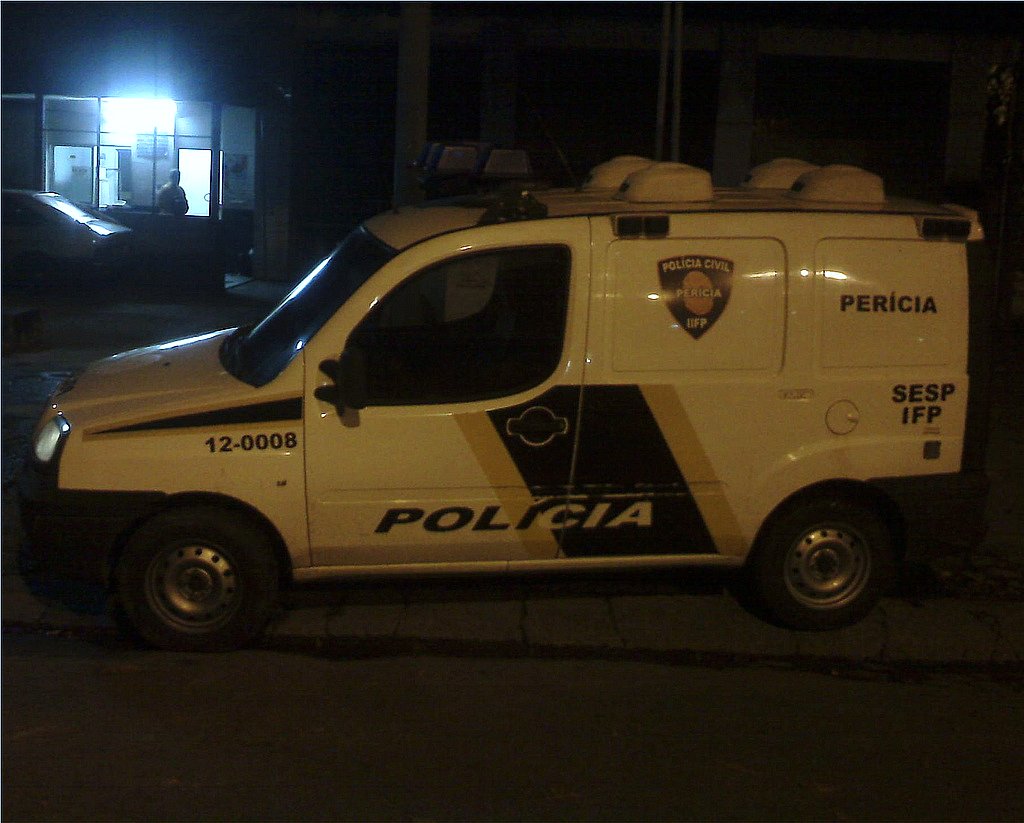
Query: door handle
(537,426)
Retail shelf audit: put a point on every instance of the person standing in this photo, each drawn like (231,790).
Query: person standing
(171,199)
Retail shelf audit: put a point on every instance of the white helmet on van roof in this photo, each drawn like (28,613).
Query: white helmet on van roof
(667,183)
(612,173)
(780,173)
(839,184)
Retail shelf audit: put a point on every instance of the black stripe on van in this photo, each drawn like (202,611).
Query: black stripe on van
(271,411)
(543,459)
(623,456)
(621,459)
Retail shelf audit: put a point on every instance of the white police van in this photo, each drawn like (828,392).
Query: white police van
(645,372)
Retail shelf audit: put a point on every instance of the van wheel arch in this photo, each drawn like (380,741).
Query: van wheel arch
(823,558)
(847,490)
(191,499)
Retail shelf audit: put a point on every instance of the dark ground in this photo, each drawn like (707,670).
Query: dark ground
(94,731)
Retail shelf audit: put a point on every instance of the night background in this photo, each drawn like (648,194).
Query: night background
(903,90)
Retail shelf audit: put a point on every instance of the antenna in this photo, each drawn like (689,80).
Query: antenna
(671,40)
(547,136)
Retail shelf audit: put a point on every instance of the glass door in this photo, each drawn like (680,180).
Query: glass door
(195,166)
(73,172)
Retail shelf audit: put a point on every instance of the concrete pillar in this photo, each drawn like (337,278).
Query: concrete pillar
(734,126)
(412,99)
(498,88)
(677,82)
(274,259)
(968,82)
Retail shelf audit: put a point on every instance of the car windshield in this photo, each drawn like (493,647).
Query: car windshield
(258,354)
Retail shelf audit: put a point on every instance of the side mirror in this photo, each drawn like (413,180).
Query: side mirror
(348,373)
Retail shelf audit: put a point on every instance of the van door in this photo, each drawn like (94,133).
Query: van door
(675,412)
(473,371)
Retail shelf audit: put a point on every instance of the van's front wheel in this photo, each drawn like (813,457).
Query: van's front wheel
(823,565)
(197,579)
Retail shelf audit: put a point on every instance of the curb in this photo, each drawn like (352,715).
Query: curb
(696,628)
(934,632)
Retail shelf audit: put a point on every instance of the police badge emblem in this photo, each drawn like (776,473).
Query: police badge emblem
(696,290)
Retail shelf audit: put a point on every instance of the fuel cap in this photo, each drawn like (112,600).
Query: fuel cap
(842,417)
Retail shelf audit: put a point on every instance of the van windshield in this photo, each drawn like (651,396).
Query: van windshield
(258,354)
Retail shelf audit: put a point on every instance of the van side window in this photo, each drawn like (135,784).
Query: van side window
(473,327)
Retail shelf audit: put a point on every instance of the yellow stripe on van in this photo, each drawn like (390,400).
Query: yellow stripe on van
(509,485)
(708,492)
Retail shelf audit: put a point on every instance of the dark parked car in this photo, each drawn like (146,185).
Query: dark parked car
(46,235)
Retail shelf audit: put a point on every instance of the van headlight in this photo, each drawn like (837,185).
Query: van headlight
(49,437)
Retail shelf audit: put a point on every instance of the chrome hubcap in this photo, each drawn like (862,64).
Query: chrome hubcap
(827,567)
(193,587)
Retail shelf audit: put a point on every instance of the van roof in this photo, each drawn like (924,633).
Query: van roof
(844,189)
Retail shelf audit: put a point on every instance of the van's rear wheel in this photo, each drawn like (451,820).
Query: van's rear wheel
(823,565)
(197,579)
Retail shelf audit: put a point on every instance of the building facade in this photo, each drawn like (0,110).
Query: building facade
(282,117)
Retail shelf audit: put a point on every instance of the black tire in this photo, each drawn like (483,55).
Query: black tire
(197,579)
(822,565)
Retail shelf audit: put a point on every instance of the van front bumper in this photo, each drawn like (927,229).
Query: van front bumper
(73,533)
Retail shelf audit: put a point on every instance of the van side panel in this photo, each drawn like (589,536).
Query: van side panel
(959,520)
(698,304)
(888,354)
(697,322)
(891,327)
(882,304)
(775,358)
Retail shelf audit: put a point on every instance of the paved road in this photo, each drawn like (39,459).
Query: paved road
(99,731)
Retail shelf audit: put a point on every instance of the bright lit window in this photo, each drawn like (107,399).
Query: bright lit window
(137,115)
(118,151)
